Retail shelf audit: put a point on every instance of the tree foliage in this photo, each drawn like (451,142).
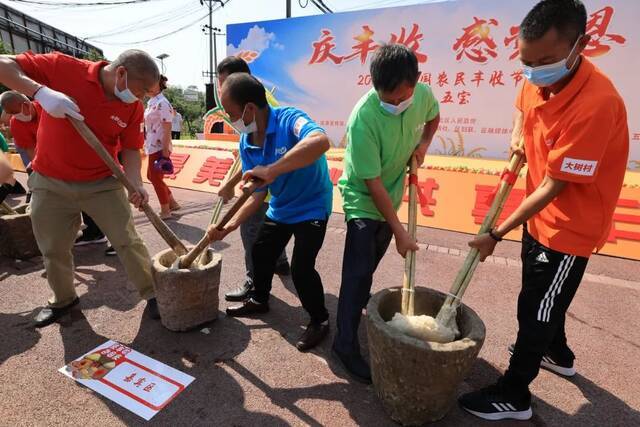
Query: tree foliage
(192,111)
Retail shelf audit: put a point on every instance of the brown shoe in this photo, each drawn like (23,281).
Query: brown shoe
(312,336)
(247,308)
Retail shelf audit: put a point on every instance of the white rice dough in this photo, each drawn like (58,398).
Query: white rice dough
(423,327)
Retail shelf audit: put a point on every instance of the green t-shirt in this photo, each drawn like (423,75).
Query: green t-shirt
(3,144)
(380,144)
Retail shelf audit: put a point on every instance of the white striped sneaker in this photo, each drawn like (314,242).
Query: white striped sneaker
(549,364)
(495,403)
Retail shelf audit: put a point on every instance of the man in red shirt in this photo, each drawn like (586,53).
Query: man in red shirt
(69,177)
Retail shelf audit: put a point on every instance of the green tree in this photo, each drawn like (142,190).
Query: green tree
(192,111)
(94,55)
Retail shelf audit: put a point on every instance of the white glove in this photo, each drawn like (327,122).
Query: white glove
(57,104)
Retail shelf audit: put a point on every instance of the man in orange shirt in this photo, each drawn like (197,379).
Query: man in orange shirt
(69,177)
(576,138)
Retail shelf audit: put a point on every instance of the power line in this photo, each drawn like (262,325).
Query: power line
(70,3)
(222,4)
(158,37)
(143,24)
(320,6)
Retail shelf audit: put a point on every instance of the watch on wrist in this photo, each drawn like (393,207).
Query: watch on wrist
(494,236)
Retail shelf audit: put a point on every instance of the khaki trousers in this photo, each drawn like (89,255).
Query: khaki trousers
(55,215)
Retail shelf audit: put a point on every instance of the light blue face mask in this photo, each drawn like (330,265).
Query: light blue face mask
(547,75)
(397,109)
(125,95)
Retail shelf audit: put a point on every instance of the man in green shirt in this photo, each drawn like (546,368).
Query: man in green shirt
(392,122)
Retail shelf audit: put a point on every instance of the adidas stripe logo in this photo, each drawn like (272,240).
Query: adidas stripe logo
(503,407)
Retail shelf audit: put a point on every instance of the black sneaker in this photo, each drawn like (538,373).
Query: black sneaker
(89,240)
(494,403)
(565,369)
(110,251)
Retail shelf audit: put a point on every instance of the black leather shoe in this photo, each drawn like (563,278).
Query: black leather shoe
(48,314)
(247,308)
(355,366)
(312,336)
(152,309)
(240,293)
(283,269)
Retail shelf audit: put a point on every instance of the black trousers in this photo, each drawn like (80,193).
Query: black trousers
(92,228)
(366,243)
(550,280)
(271,241)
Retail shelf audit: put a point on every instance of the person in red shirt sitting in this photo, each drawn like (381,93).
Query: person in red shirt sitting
(69,177)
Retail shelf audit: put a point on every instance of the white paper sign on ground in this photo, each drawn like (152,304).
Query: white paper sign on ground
(137,382)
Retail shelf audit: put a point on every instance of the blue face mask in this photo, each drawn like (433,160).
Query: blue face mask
(397,109)
(125,95)
(547,75)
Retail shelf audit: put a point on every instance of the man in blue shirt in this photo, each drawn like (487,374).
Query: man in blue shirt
(283,148)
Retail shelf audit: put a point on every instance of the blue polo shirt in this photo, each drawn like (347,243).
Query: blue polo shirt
(304,194)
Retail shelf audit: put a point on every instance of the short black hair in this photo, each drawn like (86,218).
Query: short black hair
(244,88)
(392,65)
(568,17)
(233,64)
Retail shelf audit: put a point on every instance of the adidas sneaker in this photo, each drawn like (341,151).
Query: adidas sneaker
(495,403)
(564,369)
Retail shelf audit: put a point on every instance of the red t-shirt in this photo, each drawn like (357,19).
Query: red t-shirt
(24,133)
(62,153)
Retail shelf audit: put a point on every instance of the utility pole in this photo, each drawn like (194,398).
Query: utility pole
(288,8)
(211,69)
(213,53)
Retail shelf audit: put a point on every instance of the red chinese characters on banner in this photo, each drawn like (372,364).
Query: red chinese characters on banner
(460,79)
(443,79)
(447,98)
(213,171)
(476,43)
(425,196)
(178,161)
(513,39)
(365,45)
(517,77)
(463,97)
(597,27)
(484,197)
(412,41)
(477,78)
(625,218)
(496,79)
(322,49)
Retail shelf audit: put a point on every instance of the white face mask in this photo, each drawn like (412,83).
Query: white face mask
(125,95)
(242,128)
(397,109)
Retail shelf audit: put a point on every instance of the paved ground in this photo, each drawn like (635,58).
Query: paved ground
(247,371)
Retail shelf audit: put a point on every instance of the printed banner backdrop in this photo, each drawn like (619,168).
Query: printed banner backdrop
(467,51)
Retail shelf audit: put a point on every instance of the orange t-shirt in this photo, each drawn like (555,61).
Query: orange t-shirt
(580,136)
